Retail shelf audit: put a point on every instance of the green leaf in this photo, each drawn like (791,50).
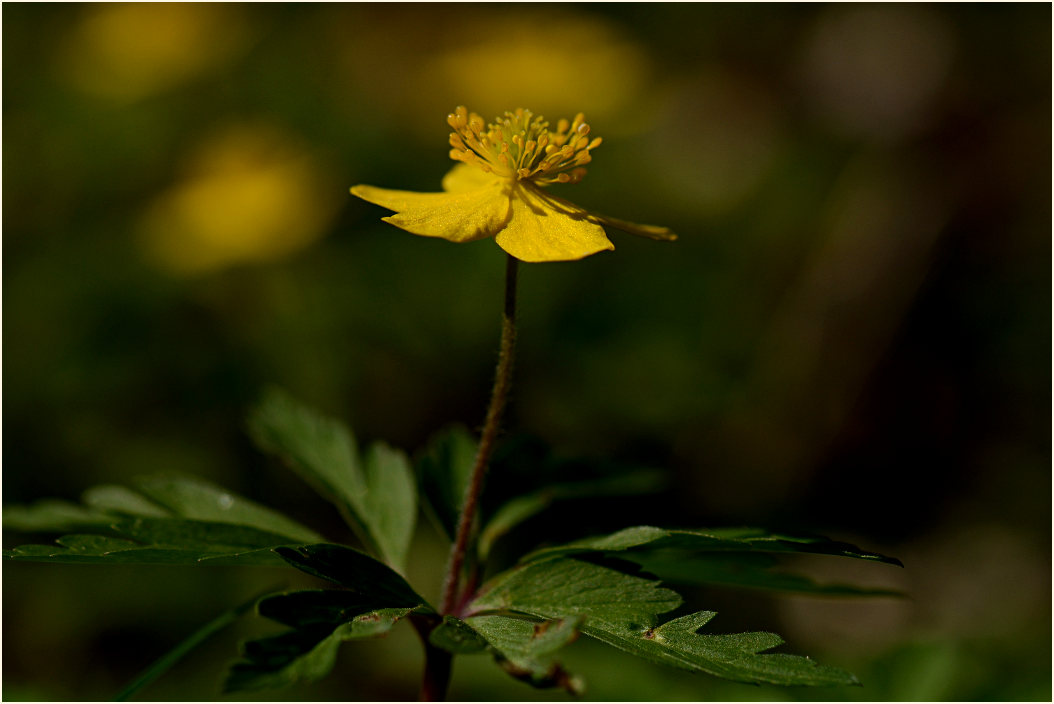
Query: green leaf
(203,535)
(199,500)
(710,540)
(444,470)
(112,498)
(304,654)
(521,508)
(525,649)
(377,496)
(622,610)
(455,636)
(54,515)
(184,521)
(321,620)
(389,508)
(742,570)
(361,574)
(736,657)
(161,541)
(311,607)
(563,588)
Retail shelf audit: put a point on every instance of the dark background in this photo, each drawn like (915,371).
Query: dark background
(852,335)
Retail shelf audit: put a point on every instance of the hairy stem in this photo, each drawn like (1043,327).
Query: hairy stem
(499,395)
(438,662)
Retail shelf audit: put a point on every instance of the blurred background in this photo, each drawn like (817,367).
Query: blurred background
(852,335)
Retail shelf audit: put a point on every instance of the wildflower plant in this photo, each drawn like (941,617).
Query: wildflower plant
(521,616)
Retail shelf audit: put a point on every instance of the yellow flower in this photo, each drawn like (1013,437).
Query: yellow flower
(499,190)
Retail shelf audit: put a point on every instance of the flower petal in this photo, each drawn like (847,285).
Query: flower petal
(543,231)
(458,217)
(654,232)
(466,177)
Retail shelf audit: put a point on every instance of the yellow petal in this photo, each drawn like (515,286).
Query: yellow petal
(541,230)
(466,177)
(458,217)
(654,232)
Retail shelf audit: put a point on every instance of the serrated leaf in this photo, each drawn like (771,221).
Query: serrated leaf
(710,540)
(361,574)
(521,508)
(198,500)
(562,588)
(443,472)
(131,553)
(311,607)
(455,636)
(305,654)
(736,657)
(743,570)
(157,543)
(162,541)
(204,535)
(377,495)
(321,621)
(525,649)
(129,528)
(622,610)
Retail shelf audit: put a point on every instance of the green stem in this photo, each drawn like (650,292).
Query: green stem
(499,395)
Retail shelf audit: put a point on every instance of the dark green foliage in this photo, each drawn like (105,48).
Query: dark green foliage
(443,471)
(373,599)
(521,508)
(622,610)
(355,571)
(304,654)
(525,648)
(455,636)
(166,520)
(741,570)
(710,540)
(376,493)
(521,617)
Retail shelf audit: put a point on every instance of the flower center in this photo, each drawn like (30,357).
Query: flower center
(521,146)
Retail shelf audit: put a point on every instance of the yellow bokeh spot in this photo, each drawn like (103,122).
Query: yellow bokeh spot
(127,51)
(249,195)
(557,61)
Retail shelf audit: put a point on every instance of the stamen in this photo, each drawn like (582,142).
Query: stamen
(519,145)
